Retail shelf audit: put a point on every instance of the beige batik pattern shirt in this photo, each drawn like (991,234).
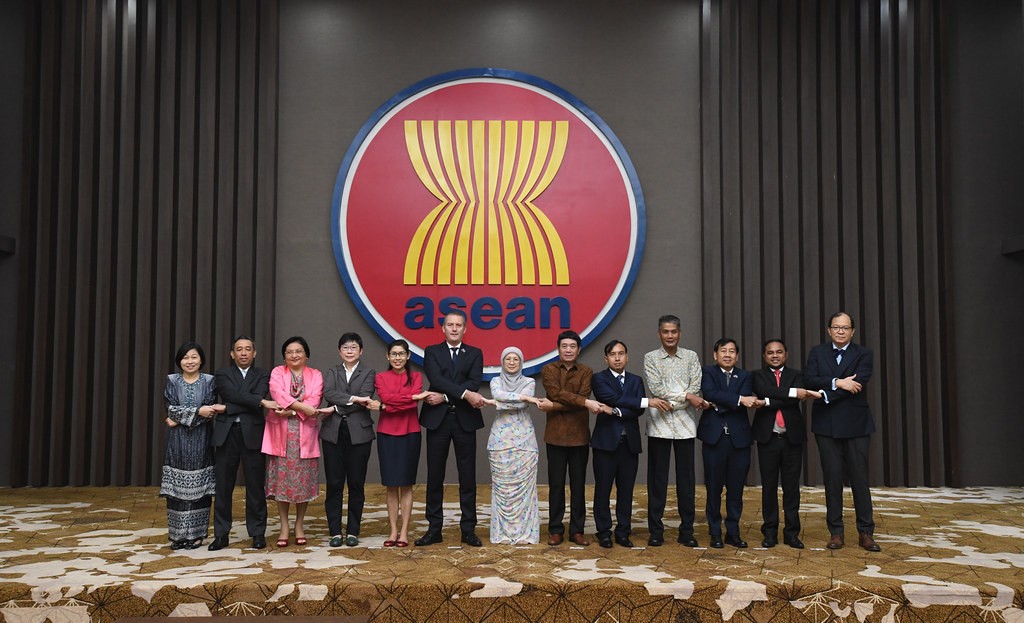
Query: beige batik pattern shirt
(671,377)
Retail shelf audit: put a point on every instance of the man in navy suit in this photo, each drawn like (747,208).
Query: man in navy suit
(780,434)
(451,415)
(238,439)
(616,443)
(842,426)
(725,432)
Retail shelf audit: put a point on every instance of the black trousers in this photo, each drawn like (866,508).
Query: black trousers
(574,459)
(726,466)
(659,454)
(618,466)
(345,462)
(439,441)
(779,458)
(849,458)
(226,459)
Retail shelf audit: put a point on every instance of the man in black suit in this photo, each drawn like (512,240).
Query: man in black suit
(725,432)
(780,433)
(238,438)
(842,425)
(616,443)
(346,437)
(451,415)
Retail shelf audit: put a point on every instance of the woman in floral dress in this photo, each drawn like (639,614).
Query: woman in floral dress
(290,436)
(512,450)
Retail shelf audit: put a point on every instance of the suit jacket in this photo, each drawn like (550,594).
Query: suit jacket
(626,398)
(242,397)
(764,417)
(437,364)
(845,415)
(275,439)
(726,410)
(338,392)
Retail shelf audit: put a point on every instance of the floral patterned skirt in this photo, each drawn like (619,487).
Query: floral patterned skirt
(291,478)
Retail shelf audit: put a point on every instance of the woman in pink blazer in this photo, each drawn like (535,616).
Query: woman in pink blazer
(290,437)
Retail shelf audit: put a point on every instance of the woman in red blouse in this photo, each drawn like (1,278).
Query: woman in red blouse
(398,437)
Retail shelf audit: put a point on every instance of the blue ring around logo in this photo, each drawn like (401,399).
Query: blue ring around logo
(506,74)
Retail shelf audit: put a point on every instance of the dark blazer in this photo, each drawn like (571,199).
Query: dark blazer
(726,409)
(764,418)
(845,415)
(337,393)
(626,398)
(437,364)
(242,398)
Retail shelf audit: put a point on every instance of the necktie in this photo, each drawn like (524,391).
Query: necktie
(728,379)
(838,352)
(622,380)
(779,420)
(455,358)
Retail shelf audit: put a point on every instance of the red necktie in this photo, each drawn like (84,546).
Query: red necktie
(779,420)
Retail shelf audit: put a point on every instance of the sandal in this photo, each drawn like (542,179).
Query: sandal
(401,544)
(300,540)
(389,543)
(282,542)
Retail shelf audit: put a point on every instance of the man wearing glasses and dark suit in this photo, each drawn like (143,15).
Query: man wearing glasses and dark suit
(842,424)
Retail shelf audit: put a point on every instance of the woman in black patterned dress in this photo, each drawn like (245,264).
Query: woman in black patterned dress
(188,480)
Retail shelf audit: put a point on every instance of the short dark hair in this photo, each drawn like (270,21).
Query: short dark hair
(841,313)
(610,345)
(458,312)
(295,339)
(183,350)
(669,318)
(350,337)
(764,346)
(243,337)
(568,335)
(723,341)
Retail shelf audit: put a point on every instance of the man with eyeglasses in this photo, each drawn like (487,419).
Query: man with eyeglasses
(842,425)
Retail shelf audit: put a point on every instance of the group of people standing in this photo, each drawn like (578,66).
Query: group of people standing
(271,423)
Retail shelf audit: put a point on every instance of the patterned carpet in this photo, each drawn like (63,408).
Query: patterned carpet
(101,554)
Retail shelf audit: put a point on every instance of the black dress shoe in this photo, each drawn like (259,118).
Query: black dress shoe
(795,543)
(428,539)
(259,542)
(688,541)
(605,541)
(623,541)
(655,541)
(219,542)
(470,539)
(716,541)
(769,542)
(176,545)
(735,541)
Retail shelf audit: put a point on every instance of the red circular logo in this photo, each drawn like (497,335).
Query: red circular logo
(495,193)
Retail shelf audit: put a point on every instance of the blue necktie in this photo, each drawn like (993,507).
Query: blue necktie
(838,352)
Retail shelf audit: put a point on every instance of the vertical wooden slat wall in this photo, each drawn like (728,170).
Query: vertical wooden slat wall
(151,145)
(821,192)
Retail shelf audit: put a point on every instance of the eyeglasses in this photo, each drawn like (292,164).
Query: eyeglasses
(289,353)
(398,355)
(841,329)
(349,348)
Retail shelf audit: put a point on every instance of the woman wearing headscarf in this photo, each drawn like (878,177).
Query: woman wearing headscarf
(513,454)
(188,481)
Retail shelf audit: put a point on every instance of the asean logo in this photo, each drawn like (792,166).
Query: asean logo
(494,192)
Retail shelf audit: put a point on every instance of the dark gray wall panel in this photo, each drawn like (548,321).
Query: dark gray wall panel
(148,220)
